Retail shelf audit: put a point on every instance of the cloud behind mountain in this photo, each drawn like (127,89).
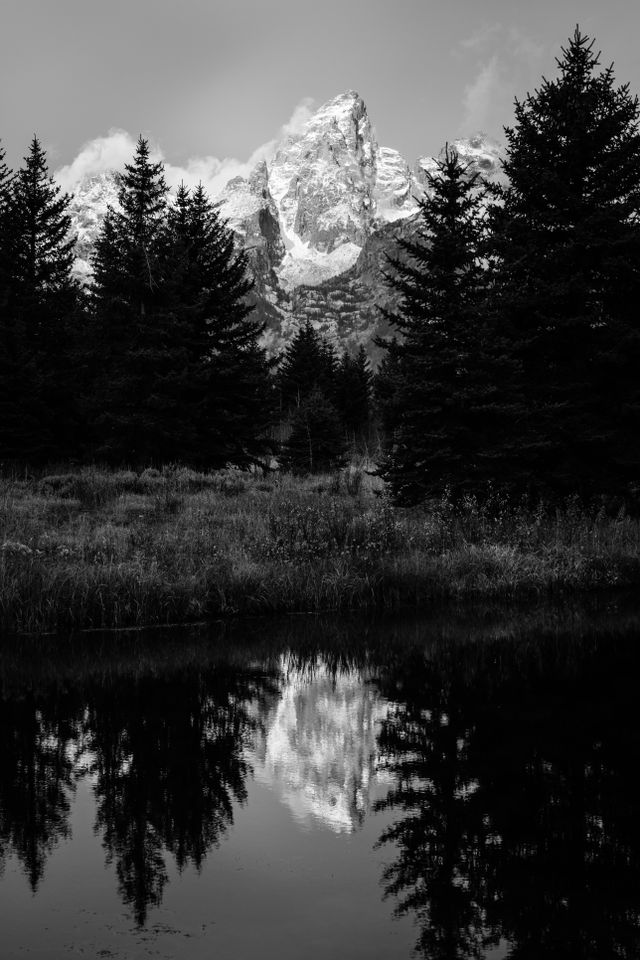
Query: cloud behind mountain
(111,151)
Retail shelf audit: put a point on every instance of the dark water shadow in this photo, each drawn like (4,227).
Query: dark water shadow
(511,744)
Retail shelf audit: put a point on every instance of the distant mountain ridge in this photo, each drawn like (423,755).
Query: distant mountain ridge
(317,221)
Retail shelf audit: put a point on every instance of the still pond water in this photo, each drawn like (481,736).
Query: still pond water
(457,786)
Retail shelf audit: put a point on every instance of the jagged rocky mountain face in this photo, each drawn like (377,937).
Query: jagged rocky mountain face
(89,204)
(317,222)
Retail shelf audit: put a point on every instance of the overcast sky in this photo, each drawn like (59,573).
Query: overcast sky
(213,82)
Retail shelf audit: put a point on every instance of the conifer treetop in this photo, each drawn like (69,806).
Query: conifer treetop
(142,194)
(582,125)
(45,246)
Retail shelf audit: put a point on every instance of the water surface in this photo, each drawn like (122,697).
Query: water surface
(453,786)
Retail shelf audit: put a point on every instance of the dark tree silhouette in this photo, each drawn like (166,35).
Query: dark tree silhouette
(6,182)
(169,769)
(131,327)
(442,835)
(40,307)
(353,393)
(224,384)
(567,235)
(37,779)
(183,376)
(512,766)
(307,363)
(11,427)
(317,442)
(442,410)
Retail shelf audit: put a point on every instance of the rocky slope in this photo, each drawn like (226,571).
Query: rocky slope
(89,204)
(317,221)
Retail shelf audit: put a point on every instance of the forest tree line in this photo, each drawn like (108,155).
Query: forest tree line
(517,337)
(159,359)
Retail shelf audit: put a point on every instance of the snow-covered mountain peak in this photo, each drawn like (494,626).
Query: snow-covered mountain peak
(482,152)
(346,113)
(397,190)
(97,189)
(317,219)
(89,204)
(322,182)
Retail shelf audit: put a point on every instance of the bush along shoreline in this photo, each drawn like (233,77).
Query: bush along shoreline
(115,549)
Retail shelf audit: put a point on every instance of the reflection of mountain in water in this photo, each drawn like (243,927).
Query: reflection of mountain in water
(511,811)
(320,747)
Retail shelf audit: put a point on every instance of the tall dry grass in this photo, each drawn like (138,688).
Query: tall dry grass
(97,548)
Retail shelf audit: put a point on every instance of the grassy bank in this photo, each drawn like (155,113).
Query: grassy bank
(105,549)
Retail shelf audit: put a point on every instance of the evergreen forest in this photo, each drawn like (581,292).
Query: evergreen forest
(514,354)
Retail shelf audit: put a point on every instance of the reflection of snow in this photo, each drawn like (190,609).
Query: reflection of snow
(320,747)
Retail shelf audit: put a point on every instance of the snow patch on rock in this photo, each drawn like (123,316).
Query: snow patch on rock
(317,219)
(304,266)
(88,208)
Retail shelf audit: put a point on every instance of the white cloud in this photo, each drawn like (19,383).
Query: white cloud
(112,151)
(480,96)
(480,39)
(508,64)
(97,156)
(300,116)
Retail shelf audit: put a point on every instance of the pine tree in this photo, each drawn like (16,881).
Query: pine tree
(307,363)
(41,307)
(185,377)
(6,180)
(45,253)
(443,403)
(353,392)
(386,387)
(12,414)
(226,377)
(131,419)
(568,241)
(6,233)
(317,442)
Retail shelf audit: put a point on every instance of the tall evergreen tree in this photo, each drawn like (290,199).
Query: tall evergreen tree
(317,442)
(353,392)
(568,241)
(131,323)
(184,378)
(9,367)
(226,376)
(307,363)
(443,402)
(41,304)
(6,234)
(386,387)
(6,179)
(45,252)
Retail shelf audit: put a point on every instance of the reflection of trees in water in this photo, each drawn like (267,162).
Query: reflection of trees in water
(514,780)
(441,836)
(169,768)
(568,869)
(166,755)
(513,769)
(36,779)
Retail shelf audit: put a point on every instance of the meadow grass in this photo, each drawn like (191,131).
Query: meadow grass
(99,548)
